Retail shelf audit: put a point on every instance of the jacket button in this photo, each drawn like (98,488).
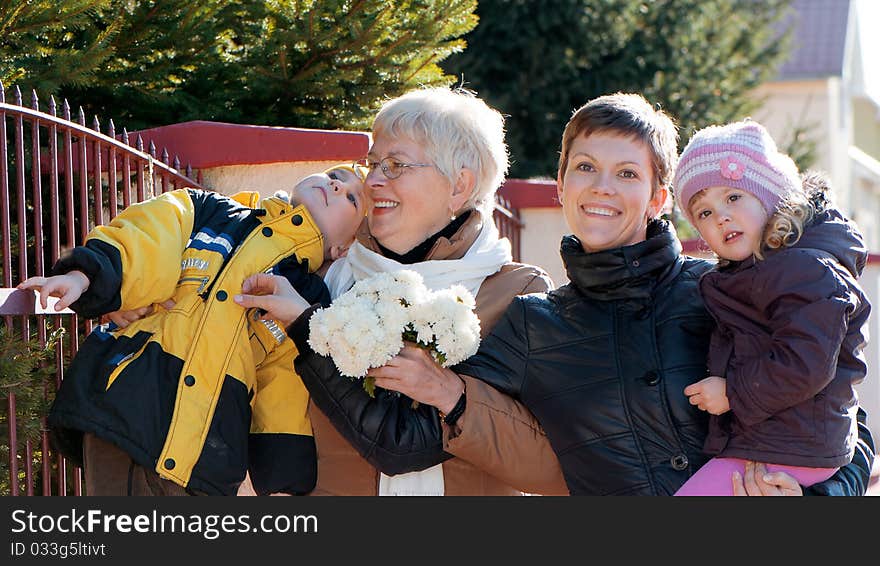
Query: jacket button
(652,378)
(221,295)
(297,219)
(266,231)
(636,263)
(189,381)
(170,463)
(679,462)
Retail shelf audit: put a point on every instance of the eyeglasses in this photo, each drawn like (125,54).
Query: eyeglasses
(393,168)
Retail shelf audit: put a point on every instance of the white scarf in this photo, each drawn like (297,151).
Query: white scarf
(486,256)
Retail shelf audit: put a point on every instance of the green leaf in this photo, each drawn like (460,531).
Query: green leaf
(370,385)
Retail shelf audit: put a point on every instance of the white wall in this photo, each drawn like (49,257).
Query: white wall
(818,105)
(265,179)
(542,232)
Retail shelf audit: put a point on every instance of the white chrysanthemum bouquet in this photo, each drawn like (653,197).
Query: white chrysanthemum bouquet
(367,326)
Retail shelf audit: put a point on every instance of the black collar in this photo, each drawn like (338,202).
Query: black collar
(420,252)
(625,272)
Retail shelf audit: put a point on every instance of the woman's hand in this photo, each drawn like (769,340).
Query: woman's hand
(758,481)
(414,373)
(275,295)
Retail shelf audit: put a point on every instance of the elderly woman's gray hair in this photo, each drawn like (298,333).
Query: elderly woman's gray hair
(457,130)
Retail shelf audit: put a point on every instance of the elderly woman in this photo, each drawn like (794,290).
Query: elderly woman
(602,361)
(437,158)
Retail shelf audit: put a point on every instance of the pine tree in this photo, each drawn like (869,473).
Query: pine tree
(37,42)
(330,63)
(538,60)
(307,63)
(25,367)
(158,54)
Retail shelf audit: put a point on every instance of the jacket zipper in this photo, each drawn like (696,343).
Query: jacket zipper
(203,281)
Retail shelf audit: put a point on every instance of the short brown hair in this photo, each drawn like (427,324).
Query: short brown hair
(630,115)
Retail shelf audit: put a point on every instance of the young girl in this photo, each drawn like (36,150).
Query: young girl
(791,318)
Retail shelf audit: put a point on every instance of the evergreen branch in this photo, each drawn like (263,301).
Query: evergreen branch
(420,67)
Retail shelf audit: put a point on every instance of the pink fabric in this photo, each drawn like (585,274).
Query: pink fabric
(732,168)
(714,478)
(710,149)
(763,171)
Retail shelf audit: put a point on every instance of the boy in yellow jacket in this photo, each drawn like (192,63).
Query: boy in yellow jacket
(190,398)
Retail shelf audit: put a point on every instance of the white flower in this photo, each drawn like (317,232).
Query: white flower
(365,327)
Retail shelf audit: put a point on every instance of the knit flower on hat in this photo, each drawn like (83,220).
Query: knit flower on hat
(732,169)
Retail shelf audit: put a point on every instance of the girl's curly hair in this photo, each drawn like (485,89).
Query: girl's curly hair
(786,225)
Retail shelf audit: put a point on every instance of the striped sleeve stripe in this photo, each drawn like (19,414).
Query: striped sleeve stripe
(207,239)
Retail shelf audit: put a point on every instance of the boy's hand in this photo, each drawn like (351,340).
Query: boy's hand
(123,318)
(68,288)
(709,395)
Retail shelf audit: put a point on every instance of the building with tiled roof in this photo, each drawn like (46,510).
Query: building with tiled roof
(828,88)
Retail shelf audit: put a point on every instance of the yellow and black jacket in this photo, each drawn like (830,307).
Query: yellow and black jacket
(205,391)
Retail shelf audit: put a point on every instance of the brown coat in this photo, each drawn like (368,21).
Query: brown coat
(342,471)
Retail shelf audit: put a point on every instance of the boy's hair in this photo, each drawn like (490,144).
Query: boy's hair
(627,114)
(360,172)
(456,129)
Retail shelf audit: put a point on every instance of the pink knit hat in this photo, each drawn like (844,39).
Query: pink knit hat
(740,155)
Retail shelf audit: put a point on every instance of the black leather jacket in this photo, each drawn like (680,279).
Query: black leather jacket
(385,430)
(604,361)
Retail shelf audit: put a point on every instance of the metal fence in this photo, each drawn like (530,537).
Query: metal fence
(59,179)
(509,224)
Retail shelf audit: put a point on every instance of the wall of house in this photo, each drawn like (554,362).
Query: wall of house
(866,194)
(543,229)
(264,178)
(818,105)
(866,127)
